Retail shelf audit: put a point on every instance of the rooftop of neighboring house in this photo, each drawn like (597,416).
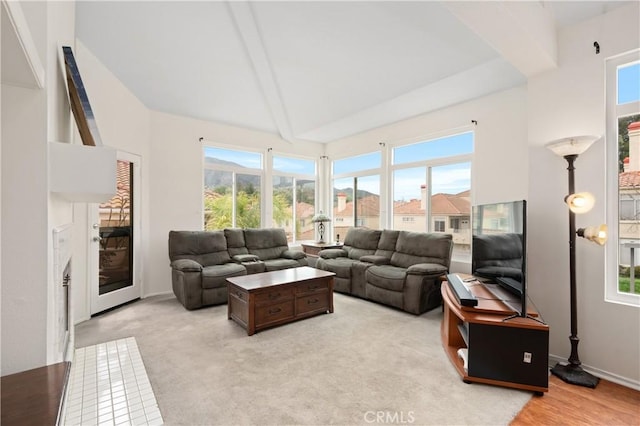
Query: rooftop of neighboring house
(441,204)
(122,187)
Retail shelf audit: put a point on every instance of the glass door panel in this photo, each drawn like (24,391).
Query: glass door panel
(116,235)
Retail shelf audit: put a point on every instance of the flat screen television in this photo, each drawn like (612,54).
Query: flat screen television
(498,251)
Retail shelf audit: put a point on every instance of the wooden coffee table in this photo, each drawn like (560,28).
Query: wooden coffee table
(259,301)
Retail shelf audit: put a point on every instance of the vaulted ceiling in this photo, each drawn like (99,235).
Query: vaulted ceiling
(320,71)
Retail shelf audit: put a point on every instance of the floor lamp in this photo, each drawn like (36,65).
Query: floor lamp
(569,149)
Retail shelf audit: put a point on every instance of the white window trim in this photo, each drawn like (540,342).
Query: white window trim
(295,176)
(613,112)
(262,173)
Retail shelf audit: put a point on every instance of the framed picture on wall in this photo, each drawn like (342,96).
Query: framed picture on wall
(79,100)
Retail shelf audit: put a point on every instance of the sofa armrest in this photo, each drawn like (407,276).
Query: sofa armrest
(186,265)
(239,258)
(293,254)
(332,253)
(376,260)
(427,269)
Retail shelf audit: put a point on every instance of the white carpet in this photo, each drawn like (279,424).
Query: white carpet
(363,364)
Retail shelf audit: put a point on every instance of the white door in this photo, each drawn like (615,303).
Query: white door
(115,240)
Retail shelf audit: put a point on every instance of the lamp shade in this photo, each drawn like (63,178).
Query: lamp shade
(580,202)
(574,145)
(320,217)
(597,234)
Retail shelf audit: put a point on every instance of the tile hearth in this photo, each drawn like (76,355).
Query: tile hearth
(108,385)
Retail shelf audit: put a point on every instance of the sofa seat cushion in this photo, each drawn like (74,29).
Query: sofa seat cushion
(387,277)
(278,264)
(216,276)
(341,266)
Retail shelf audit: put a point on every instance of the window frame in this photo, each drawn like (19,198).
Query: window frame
(613,112)
(235,171)
(295,176)
(429,165)
(353,175)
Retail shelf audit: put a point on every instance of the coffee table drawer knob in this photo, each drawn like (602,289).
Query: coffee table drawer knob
(274,311)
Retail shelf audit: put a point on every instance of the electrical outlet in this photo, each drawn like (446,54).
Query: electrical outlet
(527,357)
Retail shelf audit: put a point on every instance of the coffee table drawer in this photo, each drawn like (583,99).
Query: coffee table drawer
(275,295)
(313,286)
(318,302)
(268,314)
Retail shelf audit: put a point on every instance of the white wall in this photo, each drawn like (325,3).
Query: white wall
(24,222)
(24,229)
(30,118)
(570,101)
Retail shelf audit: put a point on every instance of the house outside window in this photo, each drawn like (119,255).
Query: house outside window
(438,225)
(623,179)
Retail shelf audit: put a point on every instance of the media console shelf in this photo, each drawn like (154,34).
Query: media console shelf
(512,353)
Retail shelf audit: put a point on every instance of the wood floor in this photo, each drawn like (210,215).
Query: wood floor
(565,404)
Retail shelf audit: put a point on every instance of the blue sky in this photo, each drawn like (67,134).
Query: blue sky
(629,83)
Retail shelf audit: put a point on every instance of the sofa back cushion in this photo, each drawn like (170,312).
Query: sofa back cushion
(422,247)
(267,243)
(361,241)
(387,243)
(205,247)
(235,241)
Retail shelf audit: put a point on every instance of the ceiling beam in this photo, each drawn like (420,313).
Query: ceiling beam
(523,33)
(248,30)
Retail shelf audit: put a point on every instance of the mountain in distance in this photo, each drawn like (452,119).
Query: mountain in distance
(349,193)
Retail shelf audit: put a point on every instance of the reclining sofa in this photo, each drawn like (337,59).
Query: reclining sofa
(201,261)
(397,268)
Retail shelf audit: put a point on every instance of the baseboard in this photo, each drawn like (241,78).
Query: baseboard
(615,378)
(159,293)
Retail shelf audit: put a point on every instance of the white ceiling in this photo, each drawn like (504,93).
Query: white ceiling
(322,70)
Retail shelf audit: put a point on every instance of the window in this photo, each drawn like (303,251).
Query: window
(356,196)
(623,179)
(294,185)
(232,188)
(432,184)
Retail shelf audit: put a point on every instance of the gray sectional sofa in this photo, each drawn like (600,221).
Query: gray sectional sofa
(201,261)
(397,268)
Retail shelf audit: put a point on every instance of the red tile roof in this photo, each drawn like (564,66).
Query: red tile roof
(629,180)
(367,206)
(122,187)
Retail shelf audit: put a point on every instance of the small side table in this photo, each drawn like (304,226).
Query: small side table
(312,248)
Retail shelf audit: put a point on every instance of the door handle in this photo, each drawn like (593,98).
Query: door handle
(95,226)
(97,239)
